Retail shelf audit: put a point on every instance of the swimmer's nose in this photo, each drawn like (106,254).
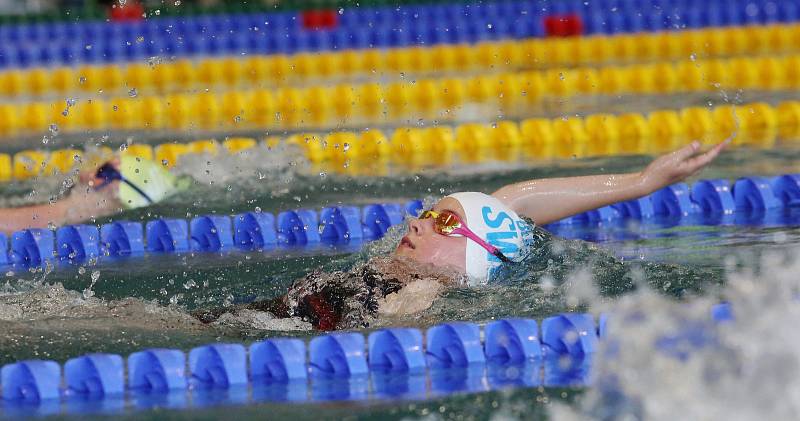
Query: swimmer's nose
(415,226)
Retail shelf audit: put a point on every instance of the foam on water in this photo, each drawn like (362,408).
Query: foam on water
(742,370)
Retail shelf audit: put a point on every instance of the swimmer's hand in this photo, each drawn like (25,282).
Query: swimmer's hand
(93,197)
(678,165)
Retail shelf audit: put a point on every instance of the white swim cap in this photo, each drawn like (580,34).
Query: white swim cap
(152,178)
(495,223)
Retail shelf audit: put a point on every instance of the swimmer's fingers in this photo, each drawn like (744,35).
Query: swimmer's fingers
(697,163)
(686,152)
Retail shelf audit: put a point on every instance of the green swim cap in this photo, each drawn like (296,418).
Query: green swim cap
(149,176)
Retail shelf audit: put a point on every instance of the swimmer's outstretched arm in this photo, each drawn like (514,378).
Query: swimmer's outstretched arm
(551,199)
(83,203)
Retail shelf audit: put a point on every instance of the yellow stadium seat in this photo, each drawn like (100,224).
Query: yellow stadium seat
(423,96)
(272,142)
(714,73)
(124,113)
(698,124)
(666,131)
(350,62)
(587,80)
(397,61)
(508,91)
(209,146)
(139,150)
(290,106)
(665,78)
(398,97)
(139,76)
(669,45)
(481,89)
(602,131)
(441,143)
(487,55)
(640,79)
(788,114)
(151,113)
(506,140)
(370,100)
(61,161)
(464,56)
(453,94)
(420,59)
(372,62)
(743,74)
(473,142)
(317,104)
(761,124)
(532,85)
(38,81)
(35,117)
(209,73)
(179,111)
(6,169)
(304,65)
(29,164)
(111,79)
(93,114)
(234,109)
(634,133)
(232,71)
(690,76)
(238,144)
(570,137)
(184,74)
(792,72)
(538,136)
(168,154)
(408,144)
(344,102)
(63,80)
(12,83)
(374,145)
(9,120)
(611,79)
(256,71)
(165,77)
(728,124)
(443,58)
(280,68)
(206,111)
(560,82)
(770,72)
(329,63)
(262,108)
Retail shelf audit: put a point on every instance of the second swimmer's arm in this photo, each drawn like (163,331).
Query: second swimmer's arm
(551,199)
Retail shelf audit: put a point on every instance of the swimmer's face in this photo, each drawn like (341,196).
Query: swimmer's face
(425,245)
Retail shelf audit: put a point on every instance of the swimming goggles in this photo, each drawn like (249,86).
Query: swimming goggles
(448,223)
(109,173)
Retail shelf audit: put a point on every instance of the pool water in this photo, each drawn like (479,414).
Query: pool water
(124,305)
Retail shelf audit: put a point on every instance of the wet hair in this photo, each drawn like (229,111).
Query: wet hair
(329,301)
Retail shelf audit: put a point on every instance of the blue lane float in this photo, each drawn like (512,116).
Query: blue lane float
(78,242)
(751,200)
(254,231)
(451,358)
(211,233)
(123,238)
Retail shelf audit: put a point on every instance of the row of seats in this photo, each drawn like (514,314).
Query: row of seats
(208,233)
(54,44)
(278,70)
(344,224)
(457,356)
(369,104)
(755,125)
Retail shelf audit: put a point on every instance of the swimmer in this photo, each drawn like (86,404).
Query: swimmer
(122,183)
(464,239)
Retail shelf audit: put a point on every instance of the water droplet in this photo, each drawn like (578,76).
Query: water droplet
(140,39)
(132,93)
(115,108)
(189,284)
(81,270)
(82,80)
(88,46)
(72,101)
(53,129)
(489,25)
(341,10)
(693,57)
(157,12)
(164,162)
(322,174)
(87,293)
(177,2)
(346,147)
